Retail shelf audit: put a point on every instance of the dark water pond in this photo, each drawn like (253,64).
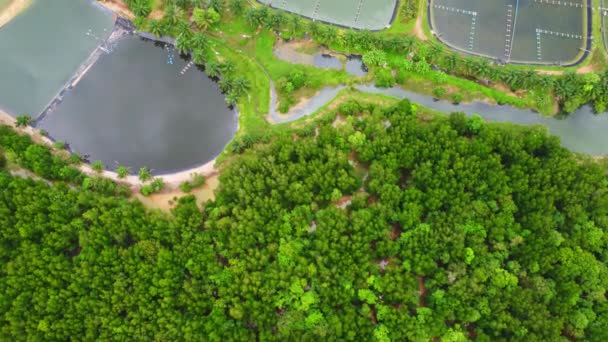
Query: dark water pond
(325,61)
(354,66)
(134,108)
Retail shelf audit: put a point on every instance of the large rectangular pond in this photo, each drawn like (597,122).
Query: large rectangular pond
(359,14)
(142,105)
(43,47)
(526,31)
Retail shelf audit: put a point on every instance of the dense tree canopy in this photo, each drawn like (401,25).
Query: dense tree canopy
(388,225)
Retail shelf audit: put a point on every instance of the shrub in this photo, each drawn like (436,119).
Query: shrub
(144,174)
(97,166)
(122,171)
(438,92)
(23,120)
(457,98)
(60,145)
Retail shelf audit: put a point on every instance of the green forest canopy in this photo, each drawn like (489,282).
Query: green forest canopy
(394,225)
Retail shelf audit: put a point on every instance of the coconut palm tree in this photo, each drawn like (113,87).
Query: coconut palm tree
(231,99)
(156,27)
(227,67)
(198,56)
(450,62)
(172,15)
(225,85)
(199,41)
(212,69)
(183,44)
(141,8)
(144,174)
(241,85)
(202,19)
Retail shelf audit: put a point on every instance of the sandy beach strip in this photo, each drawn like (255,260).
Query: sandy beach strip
(13,9)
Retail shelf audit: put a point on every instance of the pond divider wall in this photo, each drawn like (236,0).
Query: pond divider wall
(122,28)
(588,36)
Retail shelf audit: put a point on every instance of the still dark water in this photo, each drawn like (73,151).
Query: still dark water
(134,109)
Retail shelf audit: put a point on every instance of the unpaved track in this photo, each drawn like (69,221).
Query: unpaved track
(13,9)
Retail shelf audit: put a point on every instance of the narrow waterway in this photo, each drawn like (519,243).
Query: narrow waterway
(582,131)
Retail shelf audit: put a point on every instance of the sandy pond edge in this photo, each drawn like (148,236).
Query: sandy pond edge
(13,9)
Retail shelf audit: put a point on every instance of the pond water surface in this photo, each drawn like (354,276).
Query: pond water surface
(43,47)
(133,108)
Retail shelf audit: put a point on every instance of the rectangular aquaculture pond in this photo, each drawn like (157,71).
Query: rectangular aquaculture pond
(43,47)
(359,14)
(520,31)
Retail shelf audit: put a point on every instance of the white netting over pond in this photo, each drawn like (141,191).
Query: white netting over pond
(359,14)
(525,31)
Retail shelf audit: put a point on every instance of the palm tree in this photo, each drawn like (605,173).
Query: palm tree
(201,18)
(172,15)
(227,67)
(183,44)
(144,174)
(141,8)
(450,62)
(481,68)
(198,56)
(231,99)
(213,69)
(199,41)
(225,85)
(122,171)
(241,85)
(408,43)
(296,24)
(236,6)
(156,28)
(435,51)
(252,17)
(183,29)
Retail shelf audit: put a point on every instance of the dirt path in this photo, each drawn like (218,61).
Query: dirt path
(586,69)
(119,7)
(419,29)
(13,9)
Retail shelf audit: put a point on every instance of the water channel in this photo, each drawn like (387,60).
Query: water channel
(582,131)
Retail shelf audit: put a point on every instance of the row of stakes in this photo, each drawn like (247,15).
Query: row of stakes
(509,31)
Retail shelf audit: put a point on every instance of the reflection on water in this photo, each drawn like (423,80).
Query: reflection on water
(354,66)
(135,108)
(326,61)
